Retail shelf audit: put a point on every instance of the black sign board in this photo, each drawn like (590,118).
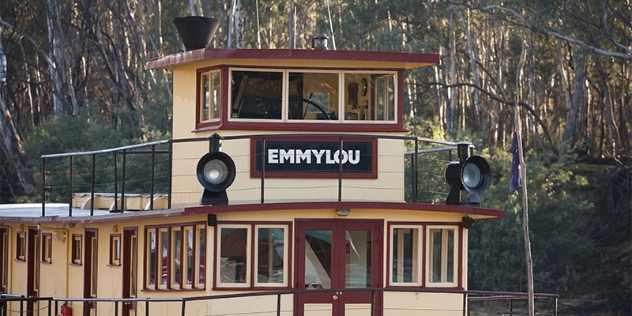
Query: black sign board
(315,158)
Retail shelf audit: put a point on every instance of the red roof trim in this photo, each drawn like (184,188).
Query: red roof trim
(409,60)
(466,210)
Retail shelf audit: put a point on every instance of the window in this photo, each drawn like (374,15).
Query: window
(20,248)
(209,103)
(442,256)
(115,249)
(269,265)
(166,257)
(405,256)
(271,254)
(76,249)
(313,96)
(47,247)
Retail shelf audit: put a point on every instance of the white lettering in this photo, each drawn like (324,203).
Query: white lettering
(354,159)
(287,155)
(303,155)
(330,159)
(273,156)
(337,156)
(318,154)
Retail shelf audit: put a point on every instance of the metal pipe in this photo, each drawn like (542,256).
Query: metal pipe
(71,189)
(263,167)
(94,161)
(151,181)
(340,170)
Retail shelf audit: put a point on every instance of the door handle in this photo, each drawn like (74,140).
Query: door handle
(335,297)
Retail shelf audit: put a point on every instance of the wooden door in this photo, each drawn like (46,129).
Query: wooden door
(335,260)
(130,268)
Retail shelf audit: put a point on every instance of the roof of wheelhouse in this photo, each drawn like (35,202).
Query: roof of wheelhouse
(296,58)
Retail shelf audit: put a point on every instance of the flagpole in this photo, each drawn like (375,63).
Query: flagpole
(523,184)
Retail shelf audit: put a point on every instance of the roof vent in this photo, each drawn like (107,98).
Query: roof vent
(319,41)
(195,31)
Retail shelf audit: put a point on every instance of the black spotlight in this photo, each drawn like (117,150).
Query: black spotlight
(467,222)
(216,172)
(471,174)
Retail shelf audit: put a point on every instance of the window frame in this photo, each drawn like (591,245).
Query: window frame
(418,269)
(200,96)
(46,248)
(76,249)
(342,96)
(20,246)
(456,256)
(115,250)
(166,265)
(251,280)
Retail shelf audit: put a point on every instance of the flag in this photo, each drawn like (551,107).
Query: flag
(516,174)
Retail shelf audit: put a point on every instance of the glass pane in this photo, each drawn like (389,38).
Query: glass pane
(318,259)
(233,264)
(201,256)
(133,267)
(405,253)
(189,256)
(270,255)
(385,98)
(215,95)
(256,95)
(358,259)
(164,245)
(450,256)
(435,259)
(176,256)
(151,240)
(313,96)
(206,97)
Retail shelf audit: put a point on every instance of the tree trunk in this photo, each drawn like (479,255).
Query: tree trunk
(579,97)
(613,130)
(451,110)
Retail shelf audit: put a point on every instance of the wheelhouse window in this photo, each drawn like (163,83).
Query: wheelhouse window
(442,256)
(313,96)
(209,97)
(269,265)
(405,255)
(176,257)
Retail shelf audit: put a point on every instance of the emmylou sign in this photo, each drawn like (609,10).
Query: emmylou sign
(315,158)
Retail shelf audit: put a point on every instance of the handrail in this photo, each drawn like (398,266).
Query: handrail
(153,151)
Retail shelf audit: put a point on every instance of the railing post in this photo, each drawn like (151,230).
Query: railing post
(43,187)
(70,185)
(278,312)
(170,173)
(151,181)
(263,167)
(147,306)
(123,182)
(415,171)
(115,183)
(116,308)
(373,302)
(184,303)
(340,170)
(94,161)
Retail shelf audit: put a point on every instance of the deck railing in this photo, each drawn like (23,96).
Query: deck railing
(547,303)
(114,170)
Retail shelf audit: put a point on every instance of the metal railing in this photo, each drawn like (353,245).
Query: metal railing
(146,305)
(118,162)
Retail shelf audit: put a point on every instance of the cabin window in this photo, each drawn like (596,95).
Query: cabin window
(76,249)
(20,249)
(313,96)
(270,255)
(209,103)
(269,266)
(47,247)
(442,256)
(234,257)
(405,255)
(176,257)
(115,249)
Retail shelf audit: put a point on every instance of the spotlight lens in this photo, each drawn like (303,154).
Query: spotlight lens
(215,171)
(471,175)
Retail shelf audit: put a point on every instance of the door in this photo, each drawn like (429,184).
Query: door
(90,272)
(130,268)
(33,270)
(335,260)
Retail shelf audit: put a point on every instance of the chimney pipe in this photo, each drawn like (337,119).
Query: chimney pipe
(195,31)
